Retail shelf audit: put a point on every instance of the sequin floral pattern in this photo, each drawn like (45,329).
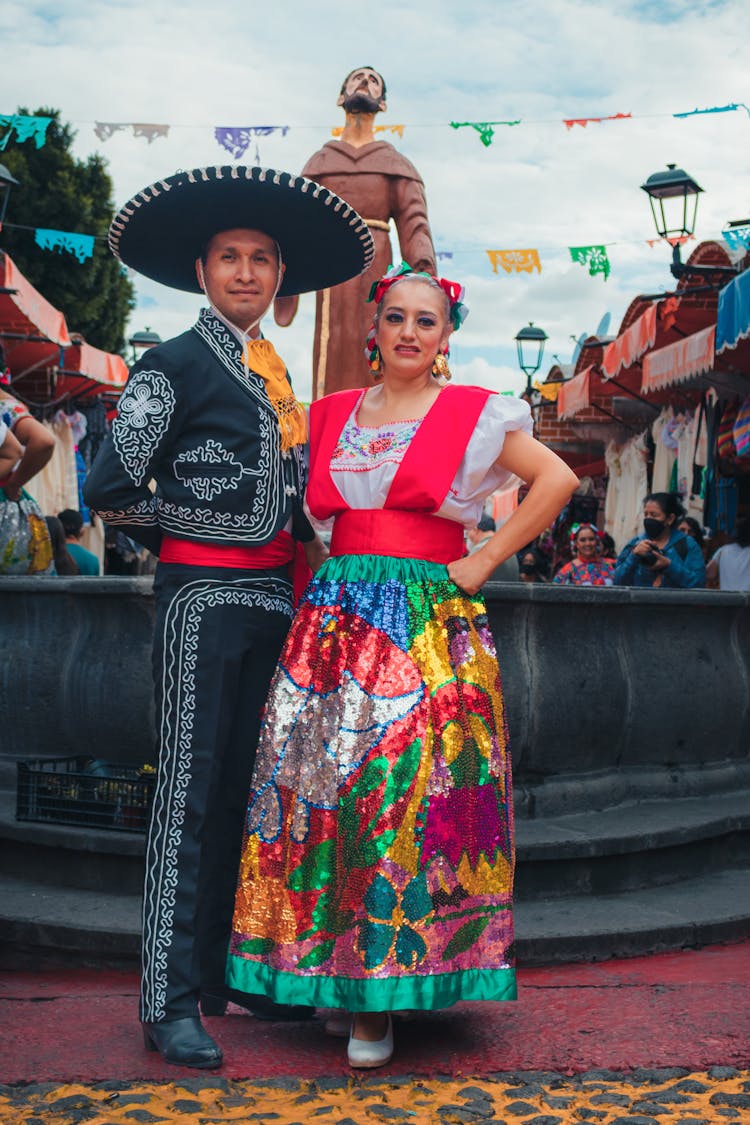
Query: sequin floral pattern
(377,865)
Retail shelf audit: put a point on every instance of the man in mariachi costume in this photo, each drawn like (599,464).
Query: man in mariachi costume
(210,417)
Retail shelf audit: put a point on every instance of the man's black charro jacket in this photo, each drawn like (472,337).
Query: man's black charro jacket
(193,419)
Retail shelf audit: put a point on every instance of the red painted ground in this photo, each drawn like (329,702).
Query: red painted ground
(689,1009)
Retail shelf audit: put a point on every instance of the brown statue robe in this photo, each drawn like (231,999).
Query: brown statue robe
(381,185)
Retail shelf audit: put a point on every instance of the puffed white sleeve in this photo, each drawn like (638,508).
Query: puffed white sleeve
(479,474)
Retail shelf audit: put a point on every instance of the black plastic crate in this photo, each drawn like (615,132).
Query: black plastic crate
(86,792)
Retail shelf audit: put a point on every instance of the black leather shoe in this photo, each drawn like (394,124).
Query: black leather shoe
(215,1004)
(183,1042)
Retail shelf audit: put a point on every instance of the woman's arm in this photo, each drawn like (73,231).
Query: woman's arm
(551,483)
(38,446)
(712,572)
(11,451)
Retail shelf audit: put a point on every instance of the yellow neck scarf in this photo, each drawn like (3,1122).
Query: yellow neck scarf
(260,356)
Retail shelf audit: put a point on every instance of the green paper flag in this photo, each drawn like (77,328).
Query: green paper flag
(484,128)
(593,256)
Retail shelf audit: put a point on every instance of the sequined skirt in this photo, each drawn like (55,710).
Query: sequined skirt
(377,864)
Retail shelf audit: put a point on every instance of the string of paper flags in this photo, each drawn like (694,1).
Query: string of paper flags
(236,139)
(594,257)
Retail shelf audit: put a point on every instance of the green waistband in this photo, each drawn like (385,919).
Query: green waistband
(380,568)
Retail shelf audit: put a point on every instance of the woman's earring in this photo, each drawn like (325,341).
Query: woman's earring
(375,364)
(440,368)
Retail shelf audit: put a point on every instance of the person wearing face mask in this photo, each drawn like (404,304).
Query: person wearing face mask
(663,556)
(532,565)
(211,418)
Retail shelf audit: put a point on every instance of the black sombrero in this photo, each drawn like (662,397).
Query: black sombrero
(163,229)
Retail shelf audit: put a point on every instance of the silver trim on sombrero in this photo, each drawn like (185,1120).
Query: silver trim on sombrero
(121,219)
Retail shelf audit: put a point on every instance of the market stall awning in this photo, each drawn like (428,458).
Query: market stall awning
(630,345)
(36,341)
(680,361)
(574,395)
(733,318)
(24,311)
(88,370)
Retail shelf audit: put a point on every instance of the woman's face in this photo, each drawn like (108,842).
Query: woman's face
(653,512)
(412,328)
(586,543)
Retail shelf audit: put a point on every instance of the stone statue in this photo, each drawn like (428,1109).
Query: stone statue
(382,185)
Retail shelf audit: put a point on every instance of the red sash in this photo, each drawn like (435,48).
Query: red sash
(279,552)
(402,535)
(428,467)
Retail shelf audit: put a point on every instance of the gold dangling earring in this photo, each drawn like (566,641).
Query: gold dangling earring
(375,364)
(440,368)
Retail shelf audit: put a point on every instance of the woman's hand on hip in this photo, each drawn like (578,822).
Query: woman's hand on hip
(469,573)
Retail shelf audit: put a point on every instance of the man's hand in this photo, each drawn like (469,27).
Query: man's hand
(316,553)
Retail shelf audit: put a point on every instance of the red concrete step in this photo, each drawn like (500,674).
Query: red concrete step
(678,1010)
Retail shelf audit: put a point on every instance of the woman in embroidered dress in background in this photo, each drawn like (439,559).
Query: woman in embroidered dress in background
(587,567)
(377,865)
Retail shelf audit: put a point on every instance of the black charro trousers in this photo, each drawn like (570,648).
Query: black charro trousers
(218,635)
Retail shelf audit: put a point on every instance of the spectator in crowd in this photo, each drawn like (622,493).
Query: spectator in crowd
(533,565)
(11,450)
(730,566)
(587,567)
(72,522)
(691,527)
(478,536)
(64,563)
(663,556)
(37,442)
(609,550)
(25,546)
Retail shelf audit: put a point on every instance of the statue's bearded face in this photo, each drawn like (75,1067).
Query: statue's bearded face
(362,92)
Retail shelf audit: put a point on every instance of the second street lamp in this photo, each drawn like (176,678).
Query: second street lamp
(530,343)
(673,196)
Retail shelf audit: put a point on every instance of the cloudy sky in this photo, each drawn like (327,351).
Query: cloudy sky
(195,66)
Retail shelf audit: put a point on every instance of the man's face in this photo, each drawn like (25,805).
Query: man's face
(240,274)
(363,92)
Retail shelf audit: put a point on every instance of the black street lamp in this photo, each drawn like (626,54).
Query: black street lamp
(530,343)
(6,182)
(673,196)
(143,340)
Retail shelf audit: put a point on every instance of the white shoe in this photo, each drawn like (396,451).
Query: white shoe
(363,1053)
(338,1024)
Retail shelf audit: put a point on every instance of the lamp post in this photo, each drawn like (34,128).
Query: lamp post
(673,196)
(6,182)
(143,340)
(530,343)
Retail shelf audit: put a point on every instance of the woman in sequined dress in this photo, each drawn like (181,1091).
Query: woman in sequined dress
(377,865)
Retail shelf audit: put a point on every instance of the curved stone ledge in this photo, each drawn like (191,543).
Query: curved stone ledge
(613,694)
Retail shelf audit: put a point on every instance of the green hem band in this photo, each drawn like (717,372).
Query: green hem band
(384,994)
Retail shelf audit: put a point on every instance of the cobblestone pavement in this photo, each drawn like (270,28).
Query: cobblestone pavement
(644,1097)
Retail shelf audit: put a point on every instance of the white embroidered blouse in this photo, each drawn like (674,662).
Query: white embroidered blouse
(366,458)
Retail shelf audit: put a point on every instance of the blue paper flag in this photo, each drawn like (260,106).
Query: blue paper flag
(81,245)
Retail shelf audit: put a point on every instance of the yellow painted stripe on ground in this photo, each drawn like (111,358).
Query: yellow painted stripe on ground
(720,1095)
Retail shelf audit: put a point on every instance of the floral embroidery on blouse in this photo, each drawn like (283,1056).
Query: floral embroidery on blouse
(12,411)
(363,448)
